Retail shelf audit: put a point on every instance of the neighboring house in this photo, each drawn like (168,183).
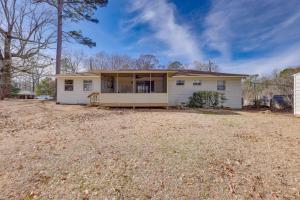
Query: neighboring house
(297,94)
(147,87)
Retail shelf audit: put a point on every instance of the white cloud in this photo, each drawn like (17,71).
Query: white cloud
(160,15)
(250,24)
(264,65)
(269,29)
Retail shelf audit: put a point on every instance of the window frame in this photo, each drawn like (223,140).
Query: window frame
(144,86)
(196,82)
(68,85)
(84,84)
(221,87)
(182,82)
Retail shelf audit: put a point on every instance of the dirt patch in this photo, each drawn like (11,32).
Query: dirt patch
(51,151)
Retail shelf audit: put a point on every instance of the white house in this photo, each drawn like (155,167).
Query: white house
(297,94)
(147,87)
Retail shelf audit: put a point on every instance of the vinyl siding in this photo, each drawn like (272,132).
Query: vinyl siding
(297,94)
(77,96)
(178,94)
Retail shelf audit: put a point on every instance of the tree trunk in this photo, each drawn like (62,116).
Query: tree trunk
(59,41)
(5,70)
(2,79)
(33,83)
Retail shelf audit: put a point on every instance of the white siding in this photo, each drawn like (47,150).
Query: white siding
(77,96)
(297,94)
(178,94)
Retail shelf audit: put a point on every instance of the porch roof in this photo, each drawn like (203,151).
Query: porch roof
(195,73)
(172,73)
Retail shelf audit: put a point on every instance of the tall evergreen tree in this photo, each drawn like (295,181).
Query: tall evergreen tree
(75,11)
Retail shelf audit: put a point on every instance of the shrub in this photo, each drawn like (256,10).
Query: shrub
(45,87)
(14,91)
(207,99)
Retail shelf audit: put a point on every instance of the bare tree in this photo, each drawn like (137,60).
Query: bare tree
(104,61)
(120,62)
(39,67)
(100,61)
(147,62)
(72,62)
(33,70)
(277,83)
(25,30)
(210,66)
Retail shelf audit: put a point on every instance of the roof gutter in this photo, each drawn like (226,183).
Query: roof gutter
(210,76)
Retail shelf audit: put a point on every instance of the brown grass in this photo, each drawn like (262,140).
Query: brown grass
(50,151)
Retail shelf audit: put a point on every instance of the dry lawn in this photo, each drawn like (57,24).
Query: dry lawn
(50,151)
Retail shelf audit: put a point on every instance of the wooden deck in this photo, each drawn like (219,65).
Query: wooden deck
(134,99)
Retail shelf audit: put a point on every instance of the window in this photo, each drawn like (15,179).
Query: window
(197,82)
(144,86)
(180,82)
(109,83)
(69,85)
(159,84)
(221,85)
(87,85)
(125,83)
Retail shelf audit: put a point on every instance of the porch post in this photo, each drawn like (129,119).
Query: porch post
(117,82)
(167,90)
(133,83)
(150,83)
(167,82)
(100,90)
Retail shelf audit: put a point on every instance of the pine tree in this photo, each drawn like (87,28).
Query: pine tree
(75,11)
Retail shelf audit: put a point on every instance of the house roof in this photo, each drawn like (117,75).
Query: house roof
(296,74)
(174,73)
(205,73)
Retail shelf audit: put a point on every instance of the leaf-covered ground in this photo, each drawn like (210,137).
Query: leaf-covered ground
(50,151)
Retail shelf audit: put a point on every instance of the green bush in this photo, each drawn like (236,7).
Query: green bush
(14,91)
(45,87)
(206,99)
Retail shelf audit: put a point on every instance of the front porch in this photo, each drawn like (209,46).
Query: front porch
(134,90)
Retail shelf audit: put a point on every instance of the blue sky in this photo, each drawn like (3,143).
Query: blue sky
(248,36)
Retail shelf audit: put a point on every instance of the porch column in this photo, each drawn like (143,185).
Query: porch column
(133,83)
(117,82)
(167,82)
(100,83)
(150,83)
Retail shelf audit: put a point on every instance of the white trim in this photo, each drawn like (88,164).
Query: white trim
(77,76)
(201,76)
(92,87)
